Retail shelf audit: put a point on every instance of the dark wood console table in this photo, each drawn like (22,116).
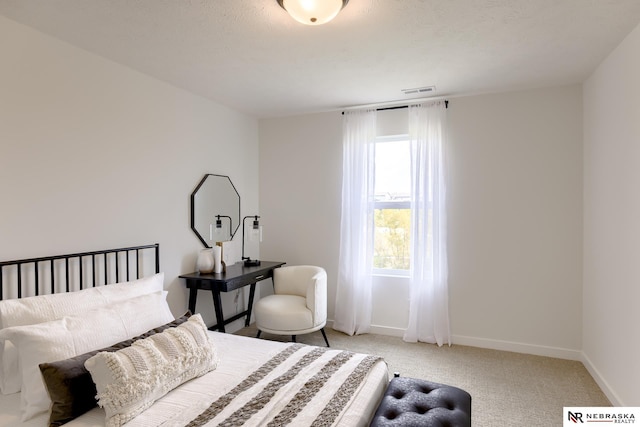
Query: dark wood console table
(235,277)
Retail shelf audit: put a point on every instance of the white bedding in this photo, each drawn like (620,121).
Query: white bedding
(239,356)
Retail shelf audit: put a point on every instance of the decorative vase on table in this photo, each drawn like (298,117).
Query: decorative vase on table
(204,263)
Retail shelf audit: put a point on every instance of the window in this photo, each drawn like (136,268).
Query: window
(392,206)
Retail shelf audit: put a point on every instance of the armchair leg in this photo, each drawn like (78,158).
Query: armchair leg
(293,338)
(325,337)
(259,332)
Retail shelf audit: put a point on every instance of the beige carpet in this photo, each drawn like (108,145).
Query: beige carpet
(507,389)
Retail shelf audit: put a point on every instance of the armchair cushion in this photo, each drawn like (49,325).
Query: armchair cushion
(283,313)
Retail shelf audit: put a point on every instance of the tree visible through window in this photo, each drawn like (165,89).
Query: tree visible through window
(392,207)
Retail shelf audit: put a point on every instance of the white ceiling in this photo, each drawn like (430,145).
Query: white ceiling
(251,56)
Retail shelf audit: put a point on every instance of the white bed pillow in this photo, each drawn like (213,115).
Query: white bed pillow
(44,308)
(73,335)
(128,381)
(134,288)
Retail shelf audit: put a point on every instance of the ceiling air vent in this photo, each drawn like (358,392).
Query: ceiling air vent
(419,90)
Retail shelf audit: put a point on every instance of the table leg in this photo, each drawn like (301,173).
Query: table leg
(193,296)
(252,293)
(217,304)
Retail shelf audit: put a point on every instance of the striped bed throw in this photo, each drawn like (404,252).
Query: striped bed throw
(301,385)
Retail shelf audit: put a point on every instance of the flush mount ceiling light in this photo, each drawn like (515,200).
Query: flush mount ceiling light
(313,12)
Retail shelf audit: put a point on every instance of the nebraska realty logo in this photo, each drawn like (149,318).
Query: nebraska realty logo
(604,416)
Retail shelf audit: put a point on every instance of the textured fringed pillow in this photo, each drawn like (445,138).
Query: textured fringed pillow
(130,380)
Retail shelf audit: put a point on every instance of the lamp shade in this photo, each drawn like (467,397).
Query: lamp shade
(313,12)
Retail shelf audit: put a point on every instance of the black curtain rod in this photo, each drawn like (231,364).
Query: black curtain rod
(397,107)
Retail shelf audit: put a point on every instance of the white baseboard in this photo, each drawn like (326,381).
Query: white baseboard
(385,330)
(378,330)
(602,383)
(234,326)
(538,350)
(516,347)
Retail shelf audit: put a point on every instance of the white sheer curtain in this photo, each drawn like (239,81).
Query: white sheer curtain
(429,299)
(353,294)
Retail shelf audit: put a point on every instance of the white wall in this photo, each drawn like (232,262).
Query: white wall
(94,155)
(611,318)
(515,200)
(300,173)
(515,216)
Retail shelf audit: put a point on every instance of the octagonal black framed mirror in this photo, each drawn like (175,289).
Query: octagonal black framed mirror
(215,209)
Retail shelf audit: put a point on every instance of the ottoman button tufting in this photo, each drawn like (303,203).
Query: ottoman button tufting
(414,402)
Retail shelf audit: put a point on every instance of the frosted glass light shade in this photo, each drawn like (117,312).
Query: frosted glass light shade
(313,12)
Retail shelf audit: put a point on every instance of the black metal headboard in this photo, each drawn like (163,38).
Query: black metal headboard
(71,272)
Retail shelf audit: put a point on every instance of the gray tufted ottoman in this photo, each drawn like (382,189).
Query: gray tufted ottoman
(412,402)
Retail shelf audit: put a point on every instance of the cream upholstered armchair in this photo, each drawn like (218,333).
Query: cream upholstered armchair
(298,305)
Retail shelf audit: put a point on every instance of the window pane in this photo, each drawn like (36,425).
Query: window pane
(392,239)
(392,177)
